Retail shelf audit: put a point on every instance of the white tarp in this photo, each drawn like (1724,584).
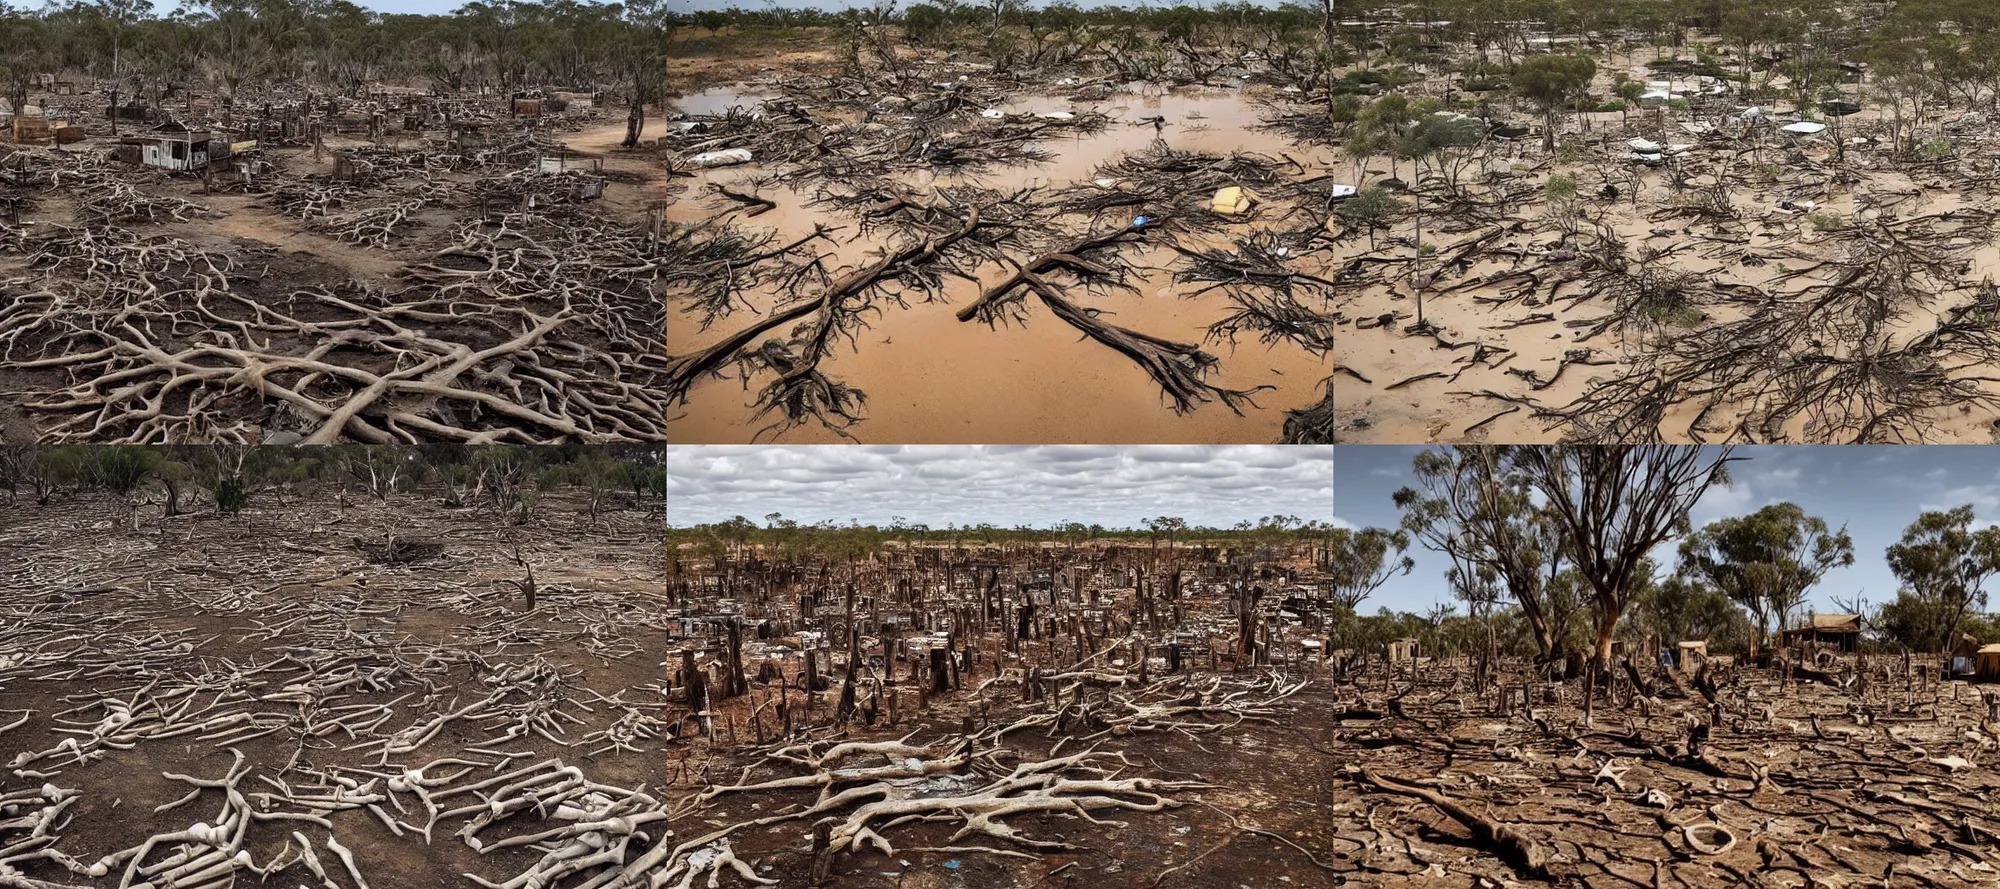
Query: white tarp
(1804,128)
(727,157)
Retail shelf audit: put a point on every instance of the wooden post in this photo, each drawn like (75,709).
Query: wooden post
(733,683)
(822,853)
(697,684)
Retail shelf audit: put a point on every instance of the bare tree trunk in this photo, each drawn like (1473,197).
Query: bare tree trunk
(1328,23)
(635,123)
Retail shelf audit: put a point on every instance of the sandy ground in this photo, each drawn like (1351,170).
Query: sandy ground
(1486,376)
(1534,336)
(637,179)
(931,378)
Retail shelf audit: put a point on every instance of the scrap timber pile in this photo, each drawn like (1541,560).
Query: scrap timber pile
(911,189)
(496,306)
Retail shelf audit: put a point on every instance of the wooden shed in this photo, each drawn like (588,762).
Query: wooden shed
(1842,631)
(1405,649)
(173,146)
(1691,654)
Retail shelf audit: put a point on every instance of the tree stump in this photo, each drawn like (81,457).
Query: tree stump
(822,853)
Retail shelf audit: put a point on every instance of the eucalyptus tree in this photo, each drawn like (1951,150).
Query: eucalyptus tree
(641,57)
(119,16)
(1364,560)
(25,52)
(1553,82)
(1614,504)
(1471,504)
(1944,563)
(1681,608)
(1428,139)
(1767,560)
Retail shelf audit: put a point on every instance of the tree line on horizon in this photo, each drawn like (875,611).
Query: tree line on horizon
(509,481)
(1915,57)
(253,52)
(785,539)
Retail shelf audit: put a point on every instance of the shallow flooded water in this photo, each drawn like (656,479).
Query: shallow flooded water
(932,378)
(718,100)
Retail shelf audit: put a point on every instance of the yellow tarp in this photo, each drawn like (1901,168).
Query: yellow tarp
(1233,200)
(1987,665)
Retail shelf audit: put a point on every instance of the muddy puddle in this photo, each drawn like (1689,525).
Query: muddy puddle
(718,100)
(931,378)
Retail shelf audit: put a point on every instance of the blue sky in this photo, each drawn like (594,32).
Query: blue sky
(1874,491)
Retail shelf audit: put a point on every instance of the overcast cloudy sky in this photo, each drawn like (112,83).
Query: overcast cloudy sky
(1006,485)
(1876,491)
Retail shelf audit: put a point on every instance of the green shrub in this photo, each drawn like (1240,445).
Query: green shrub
(230,497)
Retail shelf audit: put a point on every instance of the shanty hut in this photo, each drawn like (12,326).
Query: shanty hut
(173,146)
(1965,646)
(1986,665)
(1691,654)
(1842,631)
(1401,650)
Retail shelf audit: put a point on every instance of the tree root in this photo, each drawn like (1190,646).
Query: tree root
(1515,848)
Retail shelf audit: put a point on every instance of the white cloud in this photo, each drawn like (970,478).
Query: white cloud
(1719,502)
(1004,485)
